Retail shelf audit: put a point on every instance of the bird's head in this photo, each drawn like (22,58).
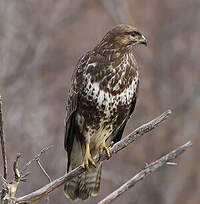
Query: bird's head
(123,37)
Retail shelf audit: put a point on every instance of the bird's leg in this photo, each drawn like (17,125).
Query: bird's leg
(104,147)
(87,157)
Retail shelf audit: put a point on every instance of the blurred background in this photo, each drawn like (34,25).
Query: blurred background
(40,44)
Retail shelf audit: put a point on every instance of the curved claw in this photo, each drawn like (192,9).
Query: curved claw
(87,159)
(104,147)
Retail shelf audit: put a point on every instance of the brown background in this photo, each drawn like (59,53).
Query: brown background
(40,43)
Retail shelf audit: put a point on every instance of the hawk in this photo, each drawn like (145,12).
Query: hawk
(101,99)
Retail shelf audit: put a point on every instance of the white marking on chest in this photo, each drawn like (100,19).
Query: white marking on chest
(126,95)
(104,98)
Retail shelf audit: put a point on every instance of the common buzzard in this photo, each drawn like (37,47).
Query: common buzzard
(100,102)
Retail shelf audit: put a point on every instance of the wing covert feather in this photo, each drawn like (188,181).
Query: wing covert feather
(71,104)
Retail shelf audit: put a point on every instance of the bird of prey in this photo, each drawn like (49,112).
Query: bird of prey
(101,99)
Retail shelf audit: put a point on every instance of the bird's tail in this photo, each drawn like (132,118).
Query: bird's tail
(85,185)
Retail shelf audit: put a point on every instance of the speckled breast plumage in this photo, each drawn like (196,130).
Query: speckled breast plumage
(106,98)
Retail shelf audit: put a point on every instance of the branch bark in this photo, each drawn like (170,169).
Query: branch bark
(144,172)
(3,148)
(36,195)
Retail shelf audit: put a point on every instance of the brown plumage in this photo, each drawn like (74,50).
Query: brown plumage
(101,100)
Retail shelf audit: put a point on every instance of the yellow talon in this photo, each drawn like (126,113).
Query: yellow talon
(110,143)
(104,147)
(87,158)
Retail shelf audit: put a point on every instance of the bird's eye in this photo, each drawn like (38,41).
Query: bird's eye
(134,34)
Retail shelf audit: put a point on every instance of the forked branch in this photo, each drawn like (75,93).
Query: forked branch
(36,157)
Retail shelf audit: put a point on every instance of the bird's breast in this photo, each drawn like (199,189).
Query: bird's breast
(118,90)
(101,108)
(105,101)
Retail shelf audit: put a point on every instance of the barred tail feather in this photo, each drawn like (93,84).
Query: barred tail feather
(85,185)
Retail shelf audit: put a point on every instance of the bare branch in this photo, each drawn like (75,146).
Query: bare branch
(16,181)
(3,148)
(46,174)
(43,170)
(36,195)
(36,157)
(144,172)
(9,189)
(16,168)
(138,133)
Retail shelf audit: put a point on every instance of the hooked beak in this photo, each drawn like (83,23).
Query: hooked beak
(142,40)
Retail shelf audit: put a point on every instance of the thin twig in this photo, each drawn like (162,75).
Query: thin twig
(172,163)
(36,157)
(144,172)
(45,173)
(3,148)
(43,170)
(36,195)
